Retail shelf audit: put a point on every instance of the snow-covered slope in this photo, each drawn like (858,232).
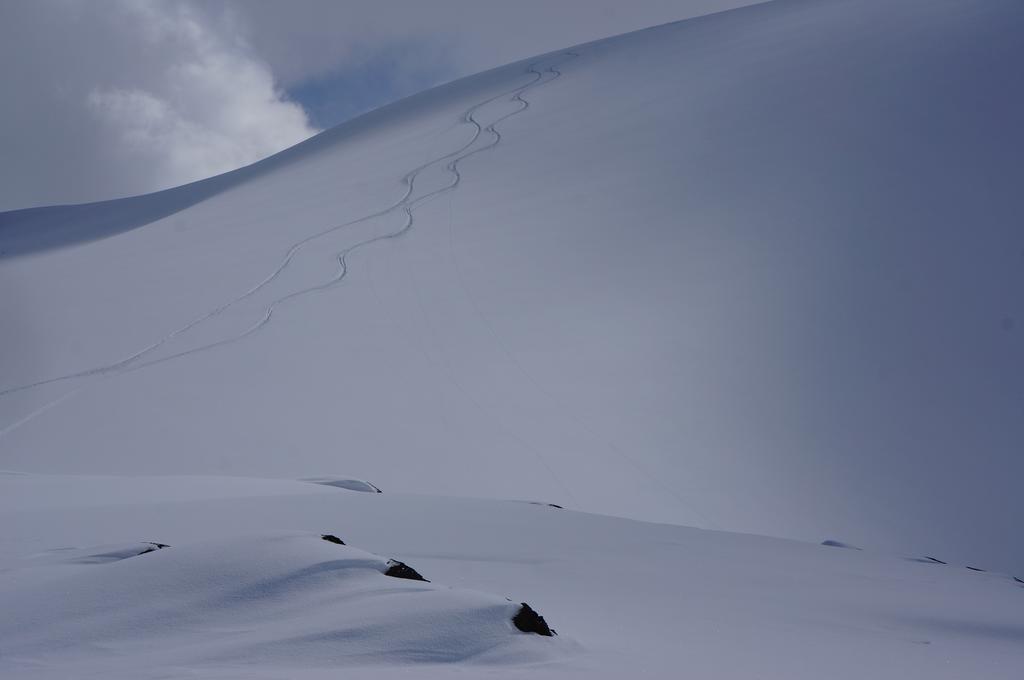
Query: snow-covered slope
(268,599)
(759,271)
(246,589)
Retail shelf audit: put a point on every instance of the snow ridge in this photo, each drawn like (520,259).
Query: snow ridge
(540,75)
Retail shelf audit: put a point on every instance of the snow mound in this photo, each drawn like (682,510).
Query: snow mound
(624,595)
(97,554)
(261,598)
(118,552)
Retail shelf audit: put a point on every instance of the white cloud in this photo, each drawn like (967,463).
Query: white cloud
(107,98)
(210,108)
(157,94)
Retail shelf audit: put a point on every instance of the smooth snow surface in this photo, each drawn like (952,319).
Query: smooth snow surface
(247,589)
(758,272)
(263,598)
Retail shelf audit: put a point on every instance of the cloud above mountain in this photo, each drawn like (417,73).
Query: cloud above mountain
(123,97)
(118,97)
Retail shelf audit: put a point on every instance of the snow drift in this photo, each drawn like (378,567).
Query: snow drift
(272,599)
(248,590)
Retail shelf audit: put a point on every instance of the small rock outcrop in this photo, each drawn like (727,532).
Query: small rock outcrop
(398,569)
(331,538)
(529,621)
(152,547)
(341,483)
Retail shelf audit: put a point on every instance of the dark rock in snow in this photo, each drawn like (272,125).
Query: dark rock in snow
(550,505)
(350,484)
(975,569)
(330,538)
(839,544)
(529,621)
(154,547)
(402,570)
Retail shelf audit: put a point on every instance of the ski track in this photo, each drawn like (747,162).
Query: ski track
(405,204)
(37,412)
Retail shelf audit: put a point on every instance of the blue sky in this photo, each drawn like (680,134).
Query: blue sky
(381,77)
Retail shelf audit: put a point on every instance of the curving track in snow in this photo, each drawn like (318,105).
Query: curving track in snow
(405,205)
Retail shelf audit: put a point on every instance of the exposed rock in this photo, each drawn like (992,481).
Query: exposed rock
(341,483)
(154,547)
(529,621)
(839,544)
(550,505)
(975,569)
(402,570)
(331,538)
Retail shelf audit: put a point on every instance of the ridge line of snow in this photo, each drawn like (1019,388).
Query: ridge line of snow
(405,204)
